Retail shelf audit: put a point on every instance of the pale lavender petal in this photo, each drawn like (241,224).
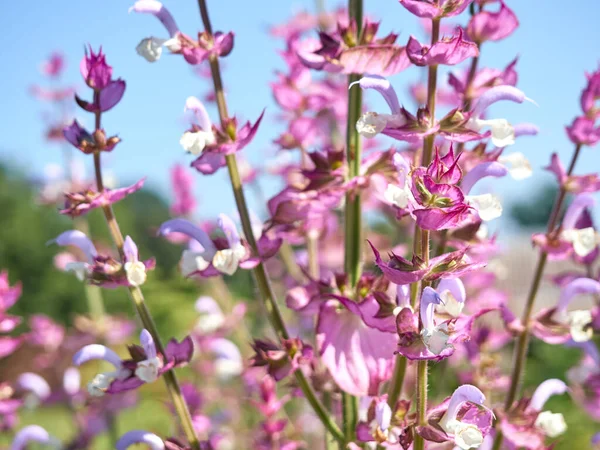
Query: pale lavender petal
(188,228)
(72,381)
(130,250)
(429,299)
(207,305)
(111,95)
(32,382)
(576,208)
(589,347)
(80,240)
(140,437)
(359,358)
(496,94)
(486,169)
(148,344)
(96,351)
(462,394)
(157,9)
(225,349)
(456,288)
(384,87)
(383,414)
(230,230)
(195,105)
(546,390)
(596,438)
(31,433)
(403,295)
(576,287)
(526,129)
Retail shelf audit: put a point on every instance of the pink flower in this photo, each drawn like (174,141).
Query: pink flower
(104,270)
(462,419)
(447,51)
(80,203)
(583,131)
(575,184)
(435,10)
(436,340)
(182,183)
(590,96)
(492,26)
(145,365)
(211,143)
(344,52)
(54,65)
(8,297)
(401,271)
(359,358)
(193,51)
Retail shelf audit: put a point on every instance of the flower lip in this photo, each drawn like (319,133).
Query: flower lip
(140,437)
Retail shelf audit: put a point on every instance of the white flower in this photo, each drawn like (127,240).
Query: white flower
(147,370)
(488,206)
(503,133)
(584,240)
(80,269)
(551,424)
(98,386)
(518,166)
(371,124)
(227,368)
(226,261)
(482,232)
(150,48)
(207,323)
(397,196)
(466,435)
(136,273)
(451,306)
(191,262)
(195,141)
(579,321)
(436,339)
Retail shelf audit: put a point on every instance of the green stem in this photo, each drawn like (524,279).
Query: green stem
(349,415)
(421,402)
(260,274)
(522,345)
(352,211)
(397,380)
(419,443)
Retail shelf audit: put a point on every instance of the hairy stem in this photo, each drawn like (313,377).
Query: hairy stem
(352,211)
(428,145)
(522,345)
(260,274)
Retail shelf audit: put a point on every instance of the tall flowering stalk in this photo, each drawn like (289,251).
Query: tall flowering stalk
(106,94)
(261,277)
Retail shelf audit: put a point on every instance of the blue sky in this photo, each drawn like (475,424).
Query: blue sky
(557,42)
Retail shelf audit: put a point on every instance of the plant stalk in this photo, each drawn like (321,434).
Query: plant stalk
(522,345)
(352,211)
(138,299)
(428,144)
(260,274)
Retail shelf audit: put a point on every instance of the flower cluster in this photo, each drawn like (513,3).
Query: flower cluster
(378,238)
